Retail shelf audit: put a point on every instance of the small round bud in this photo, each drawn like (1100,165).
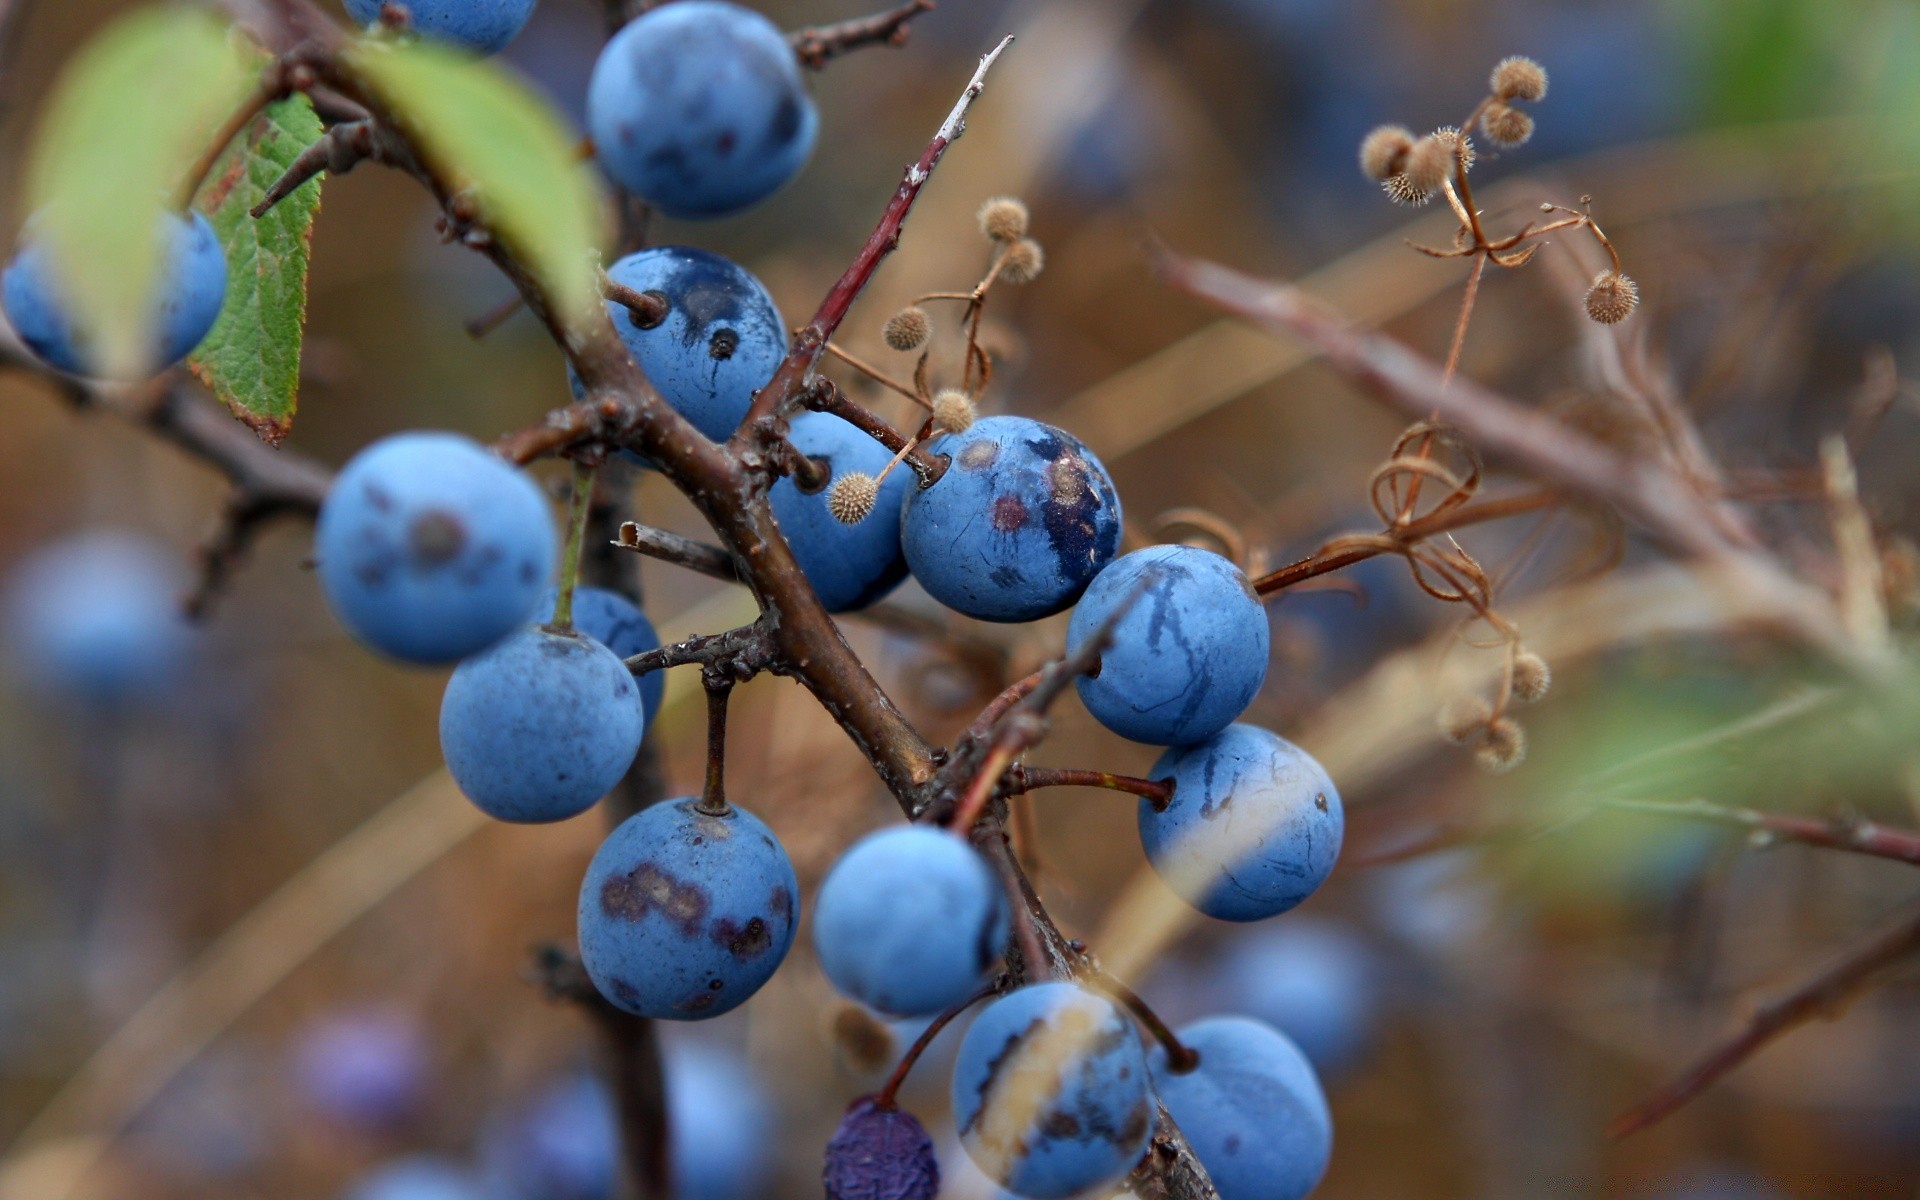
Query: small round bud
(1383,153)
(908,329)
(1004,219)
(852,496)
(1519,78)
(1503,748)
(1612,298)
(1531,677)
(1023,262)
(865,1043)
(953,411)
(1463,718)
(1506,126)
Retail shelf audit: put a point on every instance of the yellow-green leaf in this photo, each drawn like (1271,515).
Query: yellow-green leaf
(129,117)
(492,137)
(251,360)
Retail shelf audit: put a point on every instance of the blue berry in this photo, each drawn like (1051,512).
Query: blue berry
(483,26)
(1188,656)
(432,549)
(97,619)
(849,566)
(880,1154)
(1252,1110)
(1253,828)
(721,340)
(1050,1092)
(191,287)
(541,726)
(618,624)
(724,1139)
(368,1069)
(1311,979)
(909,920)
(419,1177)
(684,914)
(564,1145)
(698,108)
(1022,520)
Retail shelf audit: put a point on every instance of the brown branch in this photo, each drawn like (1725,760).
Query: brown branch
(815,45)
(1410,534)
(1027,779)
(738,653)
(680,551)
(1856,835)
(822,395)
(811,341)
(1822,993)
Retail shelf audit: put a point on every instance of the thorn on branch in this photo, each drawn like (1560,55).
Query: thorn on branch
(338,151)
(816,45)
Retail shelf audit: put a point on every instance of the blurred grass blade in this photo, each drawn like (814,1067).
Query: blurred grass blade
(251,360)
(485,132)
(127,120)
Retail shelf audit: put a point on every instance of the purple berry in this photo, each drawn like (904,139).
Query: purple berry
(880,1154)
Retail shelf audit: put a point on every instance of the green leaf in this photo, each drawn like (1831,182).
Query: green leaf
(490,136)
(128,118)
(251,360)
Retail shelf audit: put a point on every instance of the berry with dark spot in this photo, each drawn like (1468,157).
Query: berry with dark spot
(1253,1110)
(1253,828)
(188,291)
(850,565)
(432,549)
(1022,520)
(541,726)
(721,339)
(618,624)
(698,107)
(1187,657)
(1050,1092)
(483,26)
(685,913)
(880,1154)
(909,920)
(97,619)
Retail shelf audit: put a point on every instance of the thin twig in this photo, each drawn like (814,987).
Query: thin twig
(1027,779)
(816,45)
(681,551)
(1854,834)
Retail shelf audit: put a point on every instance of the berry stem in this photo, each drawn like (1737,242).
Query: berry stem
(884,1098)
(1159,791)
(1181,1058)
(877,375)
(713,797)
(576,541)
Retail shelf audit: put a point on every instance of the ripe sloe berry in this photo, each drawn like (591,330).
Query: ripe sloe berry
(909,920)
(618,624)
(1022,520)
(880,1154)
(1253,1110)
(1050,1092)
(698,107)
(685,913)
(432,549)
(483,26)
(849,566)
(1253,828)
(541,726)
(1188,656)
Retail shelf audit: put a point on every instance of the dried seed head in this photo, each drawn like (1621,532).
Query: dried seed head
(953,411)
(864,1041)
(1504,747)
(1430,162)
(1004,219)
(1383,153)
(1519,78)
(852,496)
(1449,136)
(1462,718)
(1531,677)
(1023,262)
(1612,298)
(1506,125)
(1400,190)
(908,329)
